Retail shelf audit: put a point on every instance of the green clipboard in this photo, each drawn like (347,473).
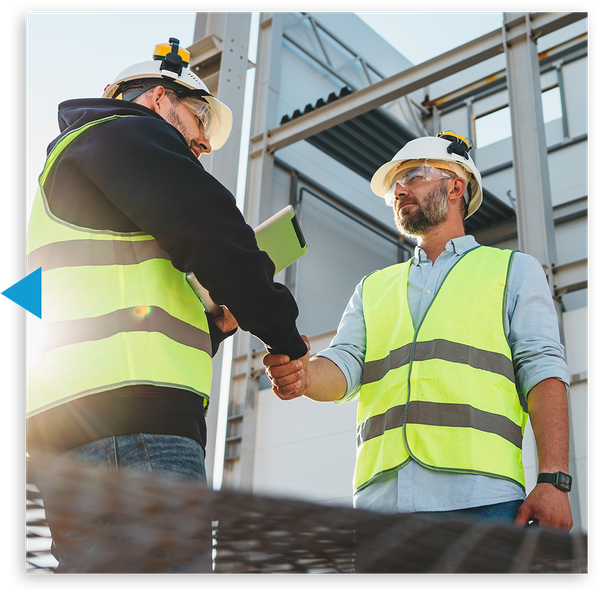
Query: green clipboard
(280,237)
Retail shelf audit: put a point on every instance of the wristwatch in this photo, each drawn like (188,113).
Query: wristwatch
(560,480)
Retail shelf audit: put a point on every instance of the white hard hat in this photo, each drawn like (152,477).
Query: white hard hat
(445,148)
(170,69)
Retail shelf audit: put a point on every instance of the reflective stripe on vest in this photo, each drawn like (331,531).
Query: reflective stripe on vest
(444,393)
(115,311)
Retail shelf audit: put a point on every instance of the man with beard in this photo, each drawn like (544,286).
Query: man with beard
(449,354)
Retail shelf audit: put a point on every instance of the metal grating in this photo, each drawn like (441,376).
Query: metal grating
(127,523)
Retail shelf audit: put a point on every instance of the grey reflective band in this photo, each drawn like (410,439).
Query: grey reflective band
(378,424)
(60,334)
(441,415)
(376,370)
(94,252)
(440,349)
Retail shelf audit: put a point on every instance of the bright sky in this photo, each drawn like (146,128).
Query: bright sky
(420,36)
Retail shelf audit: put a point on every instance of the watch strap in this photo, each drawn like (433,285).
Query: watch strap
(560,480)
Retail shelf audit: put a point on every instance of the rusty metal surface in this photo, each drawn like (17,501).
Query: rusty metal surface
(109,523)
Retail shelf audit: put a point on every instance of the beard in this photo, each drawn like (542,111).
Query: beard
(173,118)
(430,211)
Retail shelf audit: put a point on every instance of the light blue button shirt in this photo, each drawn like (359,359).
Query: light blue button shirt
(537,353)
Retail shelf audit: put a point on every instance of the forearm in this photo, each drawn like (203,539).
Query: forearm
(326,382)
(548,410)
(549,416)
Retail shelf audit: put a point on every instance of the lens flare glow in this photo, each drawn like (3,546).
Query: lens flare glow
(141,312)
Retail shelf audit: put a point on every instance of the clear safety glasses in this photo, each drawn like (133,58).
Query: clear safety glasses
(204,113)
(415,176)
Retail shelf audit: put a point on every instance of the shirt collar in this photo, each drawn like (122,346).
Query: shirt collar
(455,247)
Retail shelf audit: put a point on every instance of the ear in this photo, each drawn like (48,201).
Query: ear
(159,98)
(154,100)
(457,188)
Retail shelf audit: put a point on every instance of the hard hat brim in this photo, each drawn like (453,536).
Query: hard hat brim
(225,118)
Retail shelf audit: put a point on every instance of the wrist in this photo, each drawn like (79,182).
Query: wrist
(560,480)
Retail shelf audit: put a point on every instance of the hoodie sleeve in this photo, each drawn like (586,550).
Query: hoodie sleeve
(145,169)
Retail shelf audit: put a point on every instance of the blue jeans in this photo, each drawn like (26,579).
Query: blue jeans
(168,456)
(498,512)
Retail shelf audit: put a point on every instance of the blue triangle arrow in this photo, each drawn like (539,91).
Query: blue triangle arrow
(27,293)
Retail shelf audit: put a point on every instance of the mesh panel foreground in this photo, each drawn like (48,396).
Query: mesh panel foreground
(108,522)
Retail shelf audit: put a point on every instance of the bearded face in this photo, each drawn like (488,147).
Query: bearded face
(414,216)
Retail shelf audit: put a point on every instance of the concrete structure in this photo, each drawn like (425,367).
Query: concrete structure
(332,101)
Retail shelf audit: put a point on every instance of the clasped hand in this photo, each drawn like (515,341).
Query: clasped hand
(289,378)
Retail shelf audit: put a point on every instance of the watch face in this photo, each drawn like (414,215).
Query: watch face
(563,481)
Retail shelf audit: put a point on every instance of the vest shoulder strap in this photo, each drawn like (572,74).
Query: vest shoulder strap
(68,138)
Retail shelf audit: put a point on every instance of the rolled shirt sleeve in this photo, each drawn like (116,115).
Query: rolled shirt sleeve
(533,326)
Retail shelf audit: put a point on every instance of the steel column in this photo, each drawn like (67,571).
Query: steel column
(241,431)
(221,39)
(535,221)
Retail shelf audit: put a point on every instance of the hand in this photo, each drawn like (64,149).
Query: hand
(547,504)
(289,378)
(225,322)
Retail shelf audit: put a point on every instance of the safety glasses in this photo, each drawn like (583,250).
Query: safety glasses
(204,113)
(412,177)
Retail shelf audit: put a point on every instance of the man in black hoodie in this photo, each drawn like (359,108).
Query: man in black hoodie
(124,211)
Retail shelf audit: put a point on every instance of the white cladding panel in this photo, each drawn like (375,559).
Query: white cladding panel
(305,449)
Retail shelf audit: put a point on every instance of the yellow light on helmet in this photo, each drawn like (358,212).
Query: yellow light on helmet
(162,49)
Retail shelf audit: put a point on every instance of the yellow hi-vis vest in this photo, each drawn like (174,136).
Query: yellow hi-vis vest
(115,311)
(444,393)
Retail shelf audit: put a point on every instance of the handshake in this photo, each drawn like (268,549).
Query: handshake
(290,379)
(317,378)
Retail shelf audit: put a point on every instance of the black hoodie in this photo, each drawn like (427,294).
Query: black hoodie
(138,174)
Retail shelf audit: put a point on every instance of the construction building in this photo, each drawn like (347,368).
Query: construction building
(332,101)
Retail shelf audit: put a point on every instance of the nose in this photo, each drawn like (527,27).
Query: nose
(400,192)
(205,146)
(203,142)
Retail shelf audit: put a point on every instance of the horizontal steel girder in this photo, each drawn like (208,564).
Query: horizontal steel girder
(414,78)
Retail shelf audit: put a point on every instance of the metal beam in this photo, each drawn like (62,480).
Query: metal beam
(535,223)
(570,277)
(415,78)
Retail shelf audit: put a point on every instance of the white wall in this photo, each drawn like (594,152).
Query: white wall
(305,449)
